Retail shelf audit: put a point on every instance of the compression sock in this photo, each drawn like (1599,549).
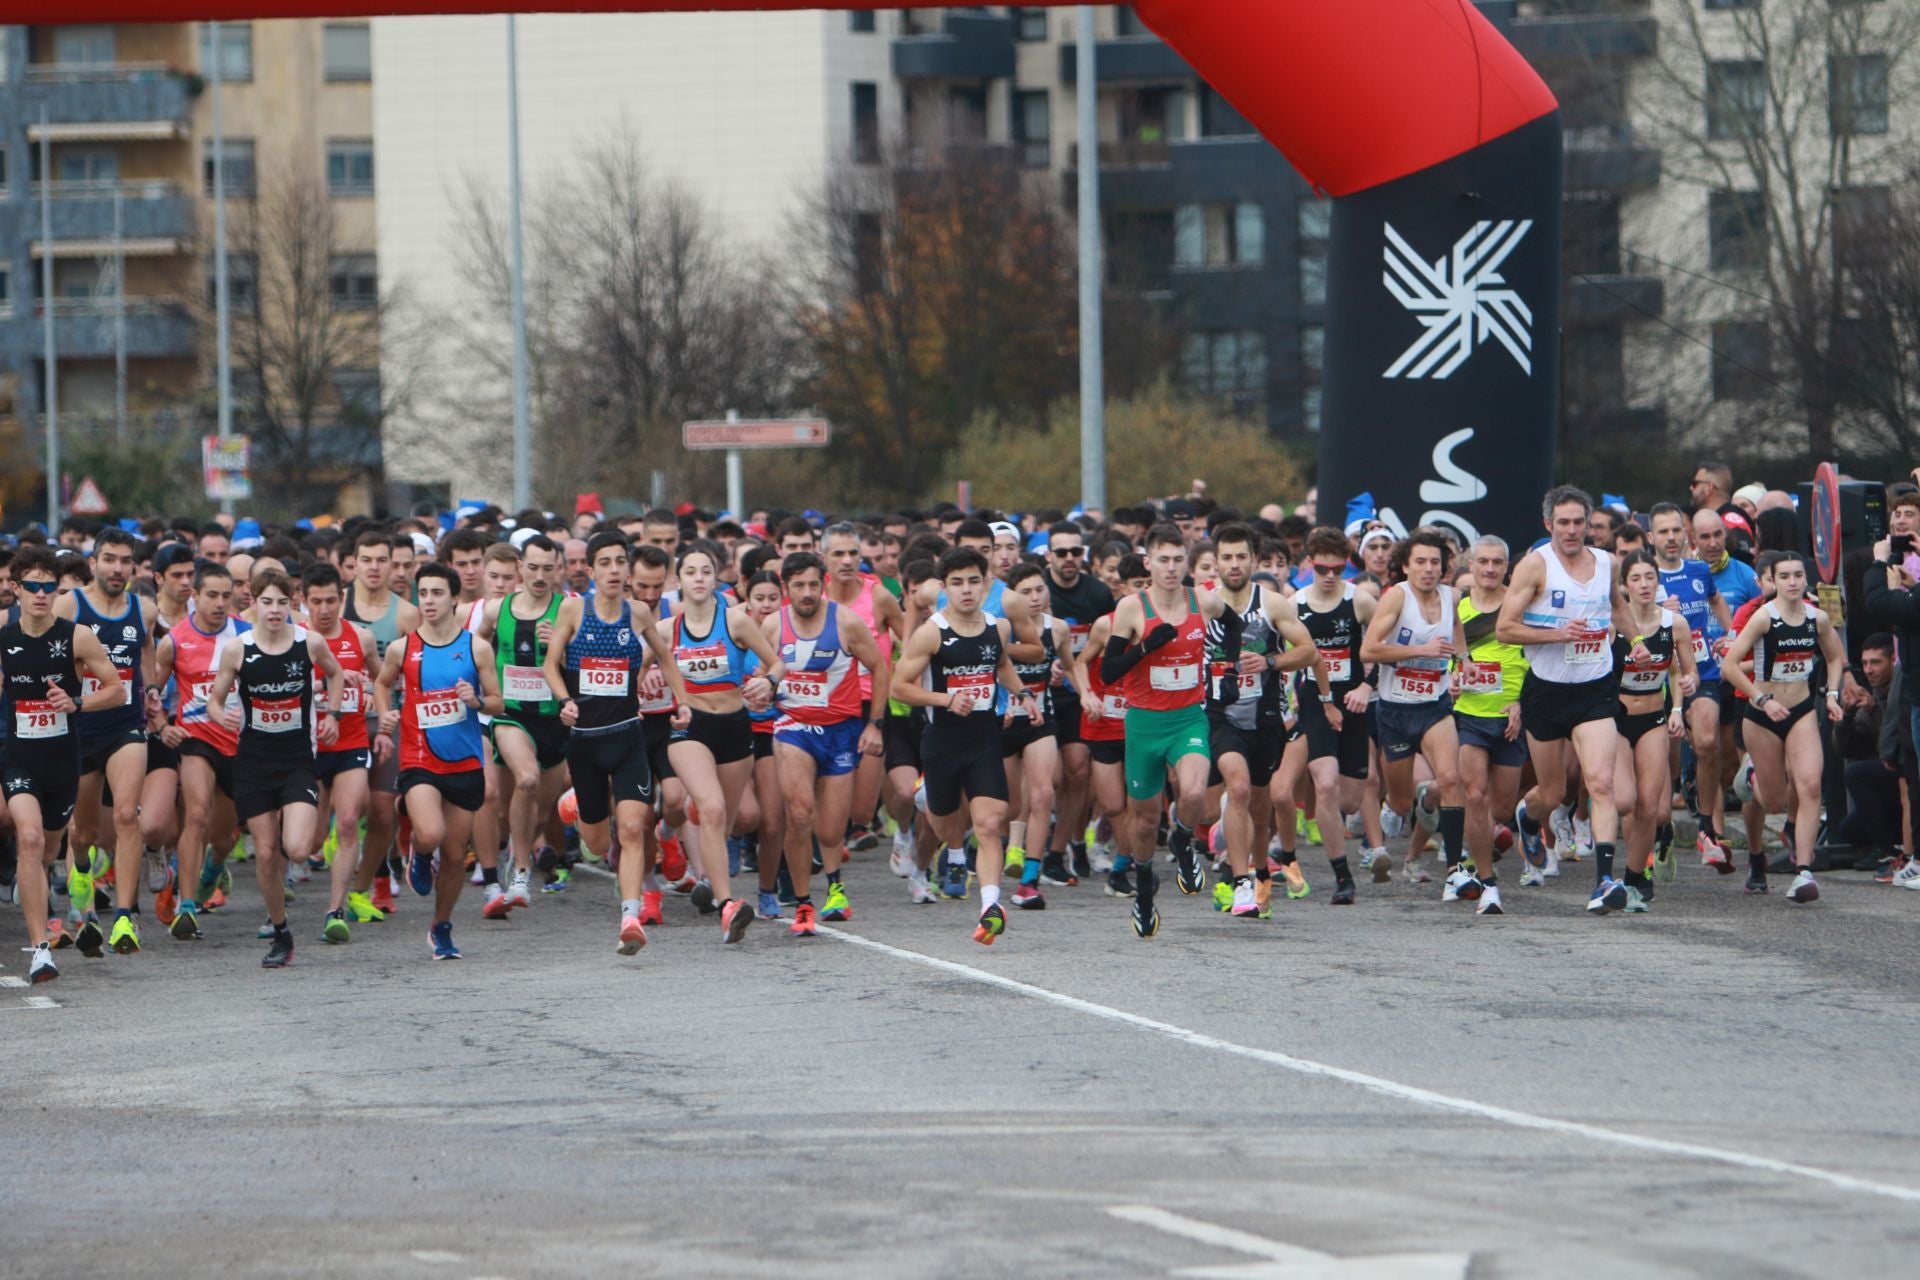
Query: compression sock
(489,875)
(1528,823)
(1602,860)
(1341,873)
(1453,827)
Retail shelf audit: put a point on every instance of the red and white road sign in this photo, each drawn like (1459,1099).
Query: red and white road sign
(88,500)
(762,433)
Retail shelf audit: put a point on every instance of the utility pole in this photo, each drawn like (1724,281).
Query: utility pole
(522,414)
(1093,392)
(222,314)
(119,317)
(52,406)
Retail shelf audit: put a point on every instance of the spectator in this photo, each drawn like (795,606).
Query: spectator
(1872,823)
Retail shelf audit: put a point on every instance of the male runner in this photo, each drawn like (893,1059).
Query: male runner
(1689,590)
(43,658)
(529,739)
(342,768)
(956,665)
(1486,714)
(824,724)
(160,792)
(1158,653)
(1560,608)
(378,602)
(1078,598)
(1033,750)
(851,588)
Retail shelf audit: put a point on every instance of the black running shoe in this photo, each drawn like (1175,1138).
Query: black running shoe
(1342,895)
(89,939)
(1119,885)
(1082,864)
(1053,870)
(1189,875)
(702,898)
(280,953)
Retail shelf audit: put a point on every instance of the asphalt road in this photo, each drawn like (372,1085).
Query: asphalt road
(1399,1089)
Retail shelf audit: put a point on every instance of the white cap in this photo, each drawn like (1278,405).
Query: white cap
(521,537)
(422,544)
(1004,529)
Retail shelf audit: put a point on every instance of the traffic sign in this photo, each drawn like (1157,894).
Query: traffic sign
(88,500)
(1825,519)
(763,433)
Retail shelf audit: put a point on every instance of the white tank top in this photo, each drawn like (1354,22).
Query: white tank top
(1417,680)
(1587,607)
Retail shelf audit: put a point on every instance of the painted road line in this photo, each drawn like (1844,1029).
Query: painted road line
(1282,1261)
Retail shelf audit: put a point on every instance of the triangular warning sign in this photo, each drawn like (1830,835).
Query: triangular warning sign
(88,500)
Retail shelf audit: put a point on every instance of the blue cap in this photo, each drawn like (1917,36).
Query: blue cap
(303,524)
(1360,506)
(814,517)
(1615,500)
(1037,540)
(129,524)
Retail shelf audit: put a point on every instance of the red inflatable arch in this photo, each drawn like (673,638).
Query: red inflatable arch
(1442,146)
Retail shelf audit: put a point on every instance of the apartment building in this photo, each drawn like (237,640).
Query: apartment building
(126,113)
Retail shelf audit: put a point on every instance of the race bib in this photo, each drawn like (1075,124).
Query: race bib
(979,686)
(89,685)
(1643,677)
(1339,664)
(1077,636)
(1479,677)
(1416,684)
(1586,648)
(705,665)
(1174,679)
(1250,685)
(38,719)
(657,705)
(1700,651)
(275,715)
(1792,670)
(605,677)
(439,709)
(350,702)
(524,684)
(804,689)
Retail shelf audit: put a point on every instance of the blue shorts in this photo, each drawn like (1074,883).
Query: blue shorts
(835,748)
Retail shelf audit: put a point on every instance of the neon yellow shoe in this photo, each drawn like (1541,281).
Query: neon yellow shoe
(335,929)
(361,908)
(1312,831)
(125,938)
(837,908)
(331,845)
(1016,861)
(79,886)
(1222,895)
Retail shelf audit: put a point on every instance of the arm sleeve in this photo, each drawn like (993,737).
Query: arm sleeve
(1119,659)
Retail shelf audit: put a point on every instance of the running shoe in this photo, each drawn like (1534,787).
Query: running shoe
(702,898)
(1461,886)
(280,954)
(520,892)
(837,908)
(900,861)
(546,859)
(650,907)
(1016,863)
(1053,870)
(163,904)
(673,860)
(42,968)
(441,936)
(265,930)
(993,923)
(79,886)
(1908,875)
(1222,895)
(1552,870)
(1392,825)
(159,874)
(1415,873)
(1146,920)
(1532,878)
(920,889)
(1665,865)
(1342,895)
(89,938)
(559,880)
(1713,854)
(298,872)
(1027,898)
(861,839)
(1532,847)
(58,934)
(381,898)
(736,854)
(1297,886)
(1608,895)
(1263,898)
(336,929)
(1081,862)
(768,908)
(1242,902)
(953,880)
(475,875)
(1380,862)
(1099,860)
(420,873)
(735,916)
(1119,885)
(361,908)
(1560,822)
(1188,876)
(495,906)
(186,923)
(632,936)
(1489,901)
(1638,903)
(1805,888)
(1309,828)
(1756,882)
(1582,839)
(224,882)
(125,938)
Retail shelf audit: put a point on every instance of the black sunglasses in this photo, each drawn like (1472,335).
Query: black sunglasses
(1328,568)
(39,588)
(1071,553)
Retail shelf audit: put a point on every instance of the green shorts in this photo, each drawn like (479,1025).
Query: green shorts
(1156,740)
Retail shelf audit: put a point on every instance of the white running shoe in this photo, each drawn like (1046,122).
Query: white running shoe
(1352,823)
(1805,889)
(900,861)
(1532,877)
(1392,824)
(1458,881)
(159,874)
(1100,855)
(1908,877)
(1552,870)
(520,892)
(1378,861)
(1583,837)
(919,890)
(1490,902)
(1561,823)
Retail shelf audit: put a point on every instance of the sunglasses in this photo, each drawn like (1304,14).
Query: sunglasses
(1070,553)
(39,588)
(1329,568)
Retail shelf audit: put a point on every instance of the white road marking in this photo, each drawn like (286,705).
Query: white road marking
(1393,1088)
(438,1257)
(1282,1261)
(8,980)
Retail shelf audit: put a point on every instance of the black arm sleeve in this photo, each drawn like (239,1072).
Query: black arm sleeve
(1119,659)
(1233,628)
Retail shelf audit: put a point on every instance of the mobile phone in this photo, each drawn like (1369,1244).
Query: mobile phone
(1900,545)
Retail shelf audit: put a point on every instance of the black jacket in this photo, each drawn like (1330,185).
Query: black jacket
(1896,610)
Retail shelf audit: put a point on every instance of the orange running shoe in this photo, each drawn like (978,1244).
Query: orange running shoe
(803,921)
(383,895)
(632,936)
(650,912)
(164,905)
(57,935)
(216,900)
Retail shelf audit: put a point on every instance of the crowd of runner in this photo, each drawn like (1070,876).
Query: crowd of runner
(725,710)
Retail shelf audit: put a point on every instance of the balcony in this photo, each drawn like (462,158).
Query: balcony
(83,211)
(1613,299)
(968,46)
(1159,175)
(106,102)
(1129,59)
(1600,35)
(157,328)
(1604,165)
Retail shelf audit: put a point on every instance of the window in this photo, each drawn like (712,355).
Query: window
(1218,118)
(348,48)
(1231,363)
(350,166)
(1030,25)
(1736,230)
(1590,234)
(1732,4)
(1742,358)
(1316,225)
(87,164)
(353,281)
(243,284)
(3,166)
(359,392)
(869,254)
(1863,359)
(236,50)
(1218,235)
(83,46)
(1313,363)
(236,165)
(1857,94)
(860,22)
(1861,216)
(1033,127)
(915,23)
(967,114)
(1736,99)
(81,279)
(6,291)
(866,123)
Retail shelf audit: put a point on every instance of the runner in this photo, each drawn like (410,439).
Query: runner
(378,602)
(276,787)
(1786,637)
(1103,726)
(764,596)
(824,726)
(529,739)
(1687,588)
(712,754)
(1415,634)
(1486,714)
(592,669)
(342,768)
(1033,751)
(113,741)
(446,676)
(903,731)
(1656,663)
(43,658)
(160,792)
(852,587)
(1078,598)
(206,741)
(647,576)
(1157,653)
(1560,608)
(957,666)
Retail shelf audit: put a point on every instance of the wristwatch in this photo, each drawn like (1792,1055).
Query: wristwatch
(1761,699)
